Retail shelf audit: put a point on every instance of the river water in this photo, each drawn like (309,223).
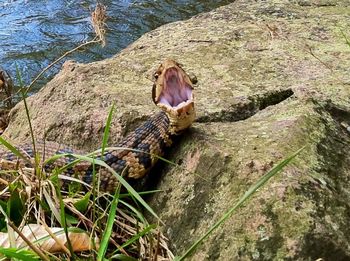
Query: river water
(33,33)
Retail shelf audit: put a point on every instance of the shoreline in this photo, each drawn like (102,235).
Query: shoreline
(261,95)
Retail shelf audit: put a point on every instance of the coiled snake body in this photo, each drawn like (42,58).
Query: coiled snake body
(172,92)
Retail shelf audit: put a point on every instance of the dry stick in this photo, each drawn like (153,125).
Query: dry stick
(157,246)
(98,22)
(54,237)
(30,244)
(59,59)
(52,64)
(318,59)
(3,181)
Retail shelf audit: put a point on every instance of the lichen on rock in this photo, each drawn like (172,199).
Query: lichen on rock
(273,76)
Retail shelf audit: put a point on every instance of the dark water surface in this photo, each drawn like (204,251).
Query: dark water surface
(33,33)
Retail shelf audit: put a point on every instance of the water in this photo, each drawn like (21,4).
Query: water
(35,33)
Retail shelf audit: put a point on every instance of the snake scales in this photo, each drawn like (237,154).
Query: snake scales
(172,93)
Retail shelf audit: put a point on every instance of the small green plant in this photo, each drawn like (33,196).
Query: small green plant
(19,254)
(74,208)
(103,210)
(42,200)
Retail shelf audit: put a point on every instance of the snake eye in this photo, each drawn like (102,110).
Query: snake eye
(156,75)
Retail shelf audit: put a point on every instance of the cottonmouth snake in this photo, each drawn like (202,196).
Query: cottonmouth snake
(172,93)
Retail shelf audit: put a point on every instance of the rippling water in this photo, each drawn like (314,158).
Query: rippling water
(35,32)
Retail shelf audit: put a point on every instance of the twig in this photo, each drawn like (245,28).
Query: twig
(30,244)
(3,181)
(200,41)
(98,19)
(318,59)
(54,237)
(155,258)
(59,59)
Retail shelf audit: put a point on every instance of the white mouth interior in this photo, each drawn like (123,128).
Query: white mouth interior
(176,91)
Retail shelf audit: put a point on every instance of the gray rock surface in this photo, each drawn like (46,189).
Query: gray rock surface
(273,76)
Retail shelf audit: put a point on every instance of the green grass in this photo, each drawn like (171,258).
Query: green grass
(108,213)
(110,221)
(24,96)
(95,212)
(51,202)
(248,194)
(19,254)
(103,209)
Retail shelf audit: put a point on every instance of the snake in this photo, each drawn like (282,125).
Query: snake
(172,93)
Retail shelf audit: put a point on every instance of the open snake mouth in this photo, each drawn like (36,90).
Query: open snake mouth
(176,92)
(173,93)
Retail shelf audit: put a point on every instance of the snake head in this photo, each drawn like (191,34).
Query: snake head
(173,93)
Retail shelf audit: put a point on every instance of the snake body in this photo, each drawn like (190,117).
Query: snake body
(172,92)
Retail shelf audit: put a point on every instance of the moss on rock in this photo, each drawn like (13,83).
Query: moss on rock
(273,77)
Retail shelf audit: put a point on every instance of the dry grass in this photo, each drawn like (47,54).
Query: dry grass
(40,196)
(98,20)
(29,195)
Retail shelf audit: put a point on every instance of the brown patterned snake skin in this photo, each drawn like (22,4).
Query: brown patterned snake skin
(172,93)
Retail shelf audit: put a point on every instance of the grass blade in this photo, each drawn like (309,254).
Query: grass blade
(62,169)
(242,200)
(119,177)
(122,257)
(141,151)
(134,238)
(52,206)
(14,150)
(107,128)
(107,234)
(25,255)
(141,193)
(21,85)
(10,232)
(133,210)
(64,221)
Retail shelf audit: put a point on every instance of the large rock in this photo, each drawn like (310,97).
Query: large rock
(273,76)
